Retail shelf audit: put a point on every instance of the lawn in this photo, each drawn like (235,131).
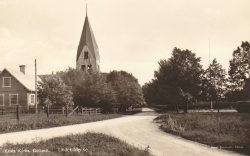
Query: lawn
(8,123)
(229,131)
(88,144)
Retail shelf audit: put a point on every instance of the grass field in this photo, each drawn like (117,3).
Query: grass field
(229,131)
(89,144)
(8,123)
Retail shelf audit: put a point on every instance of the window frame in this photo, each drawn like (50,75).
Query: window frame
(16,99)
(32,95)
(4,81)
(83,66)
(3,100)
(86,55)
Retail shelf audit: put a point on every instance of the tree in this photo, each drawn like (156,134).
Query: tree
(216,82)
(239,68)
(128,91)
(53,89)
(181,72)
(187,99)
(90,89)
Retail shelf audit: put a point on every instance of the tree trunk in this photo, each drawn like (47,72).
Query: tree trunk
(186,107)
(176,109)
(218,106)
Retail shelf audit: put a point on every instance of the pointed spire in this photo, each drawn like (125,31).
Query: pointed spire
(88,39)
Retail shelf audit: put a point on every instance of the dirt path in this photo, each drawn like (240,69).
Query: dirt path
(138,130)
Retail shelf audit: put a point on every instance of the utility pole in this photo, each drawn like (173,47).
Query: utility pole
(210,75)
(35,86)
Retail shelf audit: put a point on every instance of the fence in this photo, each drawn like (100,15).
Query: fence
(200,105)
(17,111)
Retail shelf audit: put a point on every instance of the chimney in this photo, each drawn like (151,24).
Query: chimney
(22,68)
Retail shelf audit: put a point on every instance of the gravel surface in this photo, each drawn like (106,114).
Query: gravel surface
(138,130)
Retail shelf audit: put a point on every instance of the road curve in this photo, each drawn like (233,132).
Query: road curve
(138,130)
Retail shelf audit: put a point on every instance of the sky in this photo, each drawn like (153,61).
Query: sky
(132,35)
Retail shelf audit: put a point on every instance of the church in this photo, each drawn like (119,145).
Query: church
(87,58)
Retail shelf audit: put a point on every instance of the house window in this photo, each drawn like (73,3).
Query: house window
(6,81)
(86,55)
(13,99)
(32,99)
(1,99)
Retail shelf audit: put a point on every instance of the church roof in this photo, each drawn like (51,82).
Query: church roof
(88,38)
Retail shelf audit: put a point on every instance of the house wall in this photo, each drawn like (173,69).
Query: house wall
(16,88)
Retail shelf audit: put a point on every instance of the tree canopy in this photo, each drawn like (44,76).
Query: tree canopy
(216,81)
(181,72)
(239,68)
(128,91)
(54,91)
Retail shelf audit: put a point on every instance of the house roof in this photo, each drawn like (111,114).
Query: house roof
(88,39)
(28,81)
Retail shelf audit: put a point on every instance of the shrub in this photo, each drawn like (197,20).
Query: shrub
(243,106)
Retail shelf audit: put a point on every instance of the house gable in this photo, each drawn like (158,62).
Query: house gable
(14,83)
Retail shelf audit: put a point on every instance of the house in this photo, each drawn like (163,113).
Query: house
(16,87)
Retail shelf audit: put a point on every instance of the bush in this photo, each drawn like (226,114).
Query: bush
(243,106)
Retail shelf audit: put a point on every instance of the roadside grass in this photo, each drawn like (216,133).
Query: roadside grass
(39,121)
(229,131)
(90,144)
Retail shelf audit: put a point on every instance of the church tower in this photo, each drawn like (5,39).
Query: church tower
(87,57)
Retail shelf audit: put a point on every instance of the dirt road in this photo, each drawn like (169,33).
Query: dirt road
(138,130)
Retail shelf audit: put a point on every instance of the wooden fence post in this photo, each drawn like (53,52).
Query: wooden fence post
(18,112)
(2,111)
(62,110)
(47,110)
(66,110)
(82,110)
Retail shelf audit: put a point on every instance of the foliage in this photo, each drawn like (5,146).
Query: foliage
(187,100)
(239,72)
(239,69)
(90,144)
(89,90)
(52,90)
(213,129)
(243,107)
(39,121)
(215,80)
(128,91)
(182,71)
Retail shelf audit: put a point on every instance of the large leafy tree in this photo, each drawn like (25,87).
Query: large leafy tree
(239,69)
(177,77)
(128,91)
(216,77)
(89,89)
(53,90)
(216,82)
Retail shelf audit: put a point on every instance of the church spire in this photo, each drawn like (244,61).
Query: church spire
(87,57)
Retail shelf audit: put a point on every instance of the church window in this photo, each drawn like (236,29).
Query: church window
(86,55)
(83,66)
(89,67)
